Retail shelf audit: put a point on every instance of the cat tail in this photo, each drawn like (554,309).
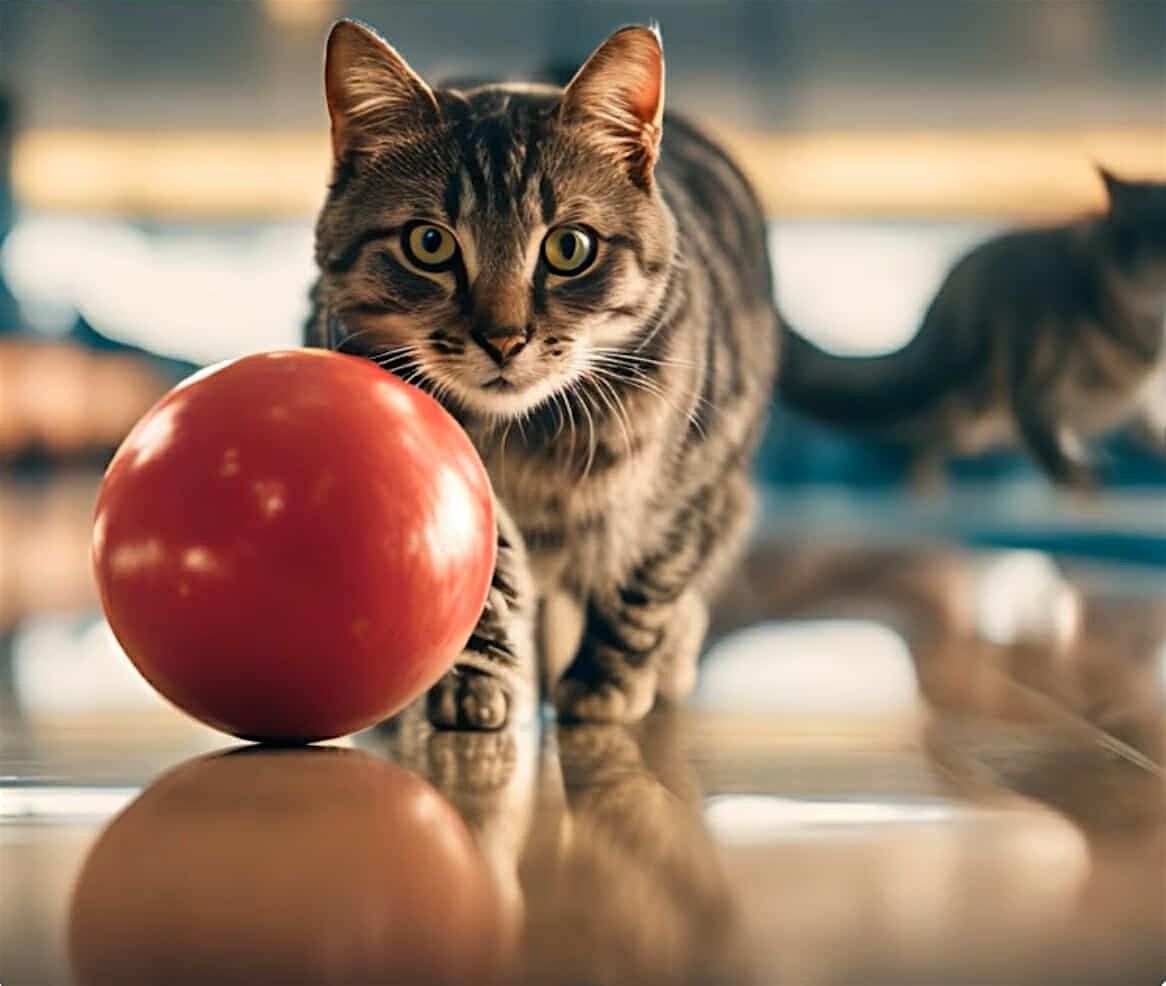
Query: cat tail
(871,393)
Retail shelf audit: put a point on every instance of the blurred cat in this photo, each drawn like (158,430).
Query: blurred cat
(1041,337)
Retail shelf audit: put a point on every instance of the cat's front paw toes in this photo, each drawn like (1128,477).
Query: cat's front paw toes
(467,698)
(474,762)
(1084,476)
(628,699)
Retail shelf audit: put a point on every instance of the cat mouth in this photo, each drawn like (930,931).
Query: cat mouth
(500,385)
(503,397)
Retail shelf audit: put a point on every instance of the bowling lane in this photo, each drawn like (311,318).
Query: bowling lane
(903,765)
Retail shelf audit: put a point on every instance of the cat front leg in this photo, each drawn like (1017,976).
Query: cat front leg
(642,634)
(494,677)
(1150,426)
(630,654)
(1058,450)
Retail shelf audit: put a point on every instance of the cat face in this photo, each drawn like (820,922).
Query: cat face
(498,244)
(1137,225)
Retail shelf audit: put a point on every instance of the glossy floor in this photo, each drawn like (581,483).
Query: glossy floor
(909,767)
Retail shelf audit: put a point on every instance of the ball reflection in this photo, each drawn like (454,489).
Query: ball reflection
(292,866)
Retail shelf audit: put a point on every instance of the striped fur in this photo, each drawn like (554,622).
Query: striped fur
(619,437)
(1042,337)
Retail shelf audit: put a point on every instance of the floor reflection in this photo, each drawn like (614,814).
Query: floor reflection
(606,855)
(927,767)
(634,869)
(304,866)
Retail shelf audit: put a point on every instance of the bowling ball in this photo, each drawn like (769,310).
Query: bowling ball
(294,545)
(288,866)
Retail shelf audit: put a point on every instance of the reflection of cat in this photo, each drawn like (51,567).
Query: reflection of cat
(1081,733)
(1001,638)
(940,593)
(633,891)
(1063,716)
(612,877)
(1048,337)
(1091,715)
(618,880)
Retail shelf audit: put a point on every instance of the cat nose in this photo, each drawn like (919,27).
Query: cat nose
(502,344)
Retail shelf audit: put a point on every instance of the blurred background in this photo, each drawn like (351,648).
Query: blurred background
(161,164)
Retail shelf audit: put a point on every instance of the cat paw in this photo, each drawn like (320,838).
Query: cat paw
(467,698)
(1082,474)
(587,744)
(1086,477)
(606,700)
(471,762)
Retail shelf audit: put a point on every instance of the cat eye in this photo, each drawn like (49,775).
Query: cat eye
(569,250)
(429,246)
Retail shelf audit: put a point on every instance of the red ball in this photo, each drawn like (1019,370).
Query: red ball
(294,545)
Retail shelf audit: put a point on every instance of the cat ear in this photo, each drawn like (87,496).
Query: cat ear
(372,92)
(1116,190)
(617,99)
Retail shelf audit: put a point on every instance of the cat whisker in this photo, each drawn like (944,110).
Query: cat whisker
(441,387)
(611,399)
(592,439)
(622,357)
(555,399)
(402,353)
(502,449)
(350,337)
(415,378)
(395,354)
(651,388)
(521,419)
(566,398)
(396,363)
(628,372)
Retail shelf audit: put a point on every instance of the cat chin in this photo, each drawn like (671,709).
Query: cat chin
(506,404)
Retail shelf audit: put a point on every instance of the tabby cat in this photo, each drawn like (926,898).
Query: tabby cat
(594,306)
(1048,337)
